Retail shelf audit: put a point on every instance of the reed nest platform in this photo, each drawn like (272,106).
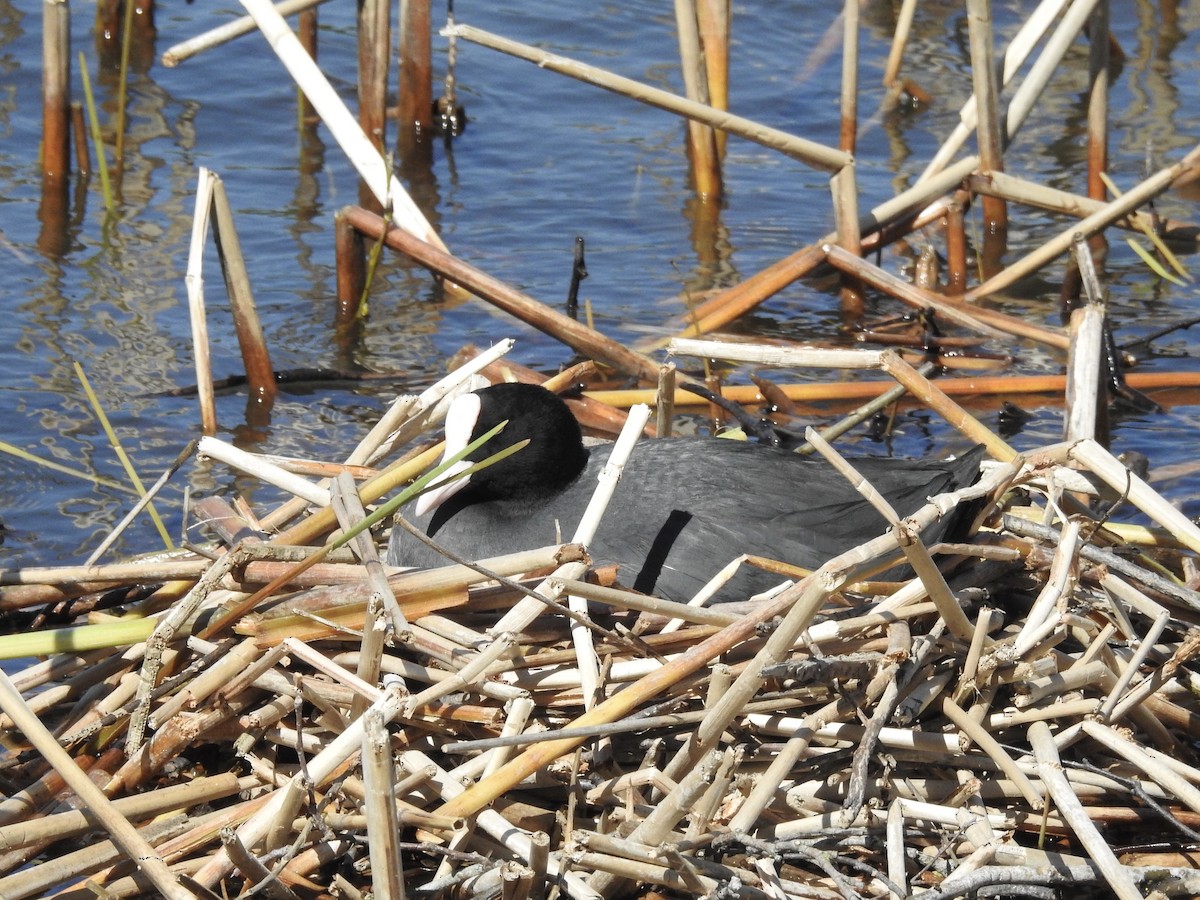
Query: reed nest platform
(277,712)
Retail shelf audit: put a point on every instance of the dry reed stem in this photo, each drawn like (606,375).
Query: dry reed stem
(56,90)
(1044,67)
(194,280)
(1030,32)
(373,60)
(123,833)
(674,811)
(701,139)
(1048,764)
(357,146)
(810,152)
(988,131)
(560,326)
(256,360)
(1093,224)
(1028,193)
(849,391)
(223,34)
(254,465)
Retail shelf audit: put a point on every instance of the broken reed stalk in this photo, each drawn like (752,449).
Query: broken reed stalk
(194,280)
(56,89)
(358,147)
(1027,193)
(575,335)
(1021,46)
(664,400)
(904,20)
(223,34)
(374,48)
(844,182)
(987,106)
(1097,153)
(1094,223)
(307,31)
(712,17)
(809,152)
(414,85)
(258,467)
(701,139)
(79,135)
(1086,366)
(256,360)
(387,866)
(350,257)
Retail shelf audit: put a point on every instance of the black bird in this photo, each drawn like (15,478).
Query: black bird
(684,508)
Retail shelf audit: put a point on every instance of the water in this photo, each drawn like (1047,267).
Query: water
(542,160)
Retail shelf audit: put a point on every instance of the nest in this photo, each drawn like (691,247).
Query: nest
(309,723)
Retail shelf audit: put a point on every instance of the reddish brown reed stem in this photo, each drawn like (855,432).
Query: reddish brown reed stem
(373,46)
(306,30)
(83,157)
(701,139)
(741,298)
(1097,147)
(990,128)
(414,103)
(255,358)
(956,245)
(350,254)
(573,334)
(56,89)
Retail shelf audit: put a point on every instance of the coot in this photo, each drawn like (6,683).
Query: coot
(684,508)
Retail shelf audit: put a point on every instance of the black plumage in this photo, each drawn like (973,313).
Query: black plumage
(684,508)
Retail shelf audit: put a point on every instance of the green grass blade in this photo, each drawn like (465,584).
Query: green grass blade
(97,138)
(126,462)
(13,450)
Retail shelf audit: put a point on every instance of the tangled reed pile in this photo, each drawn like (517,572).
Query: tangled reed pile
(313,724)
